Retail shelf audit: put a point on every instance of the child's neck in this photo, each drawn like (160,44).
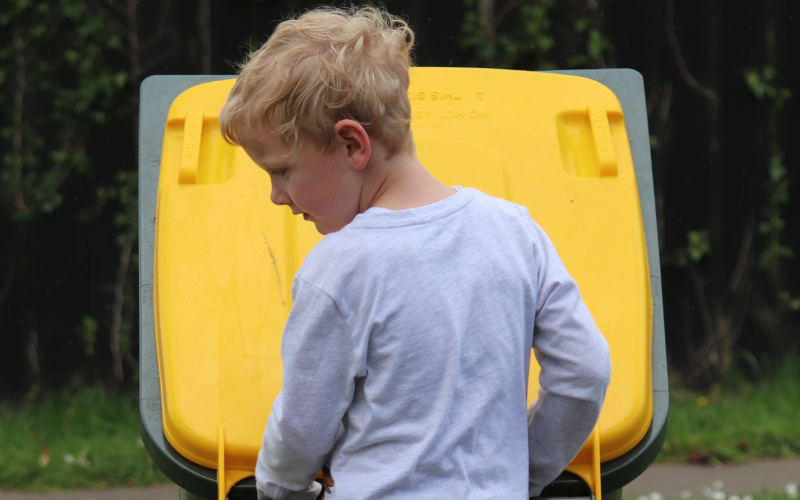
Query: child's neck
(400,182)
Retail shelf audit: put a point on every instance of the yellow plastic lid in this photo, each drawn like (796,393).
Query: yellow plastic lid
(225,256)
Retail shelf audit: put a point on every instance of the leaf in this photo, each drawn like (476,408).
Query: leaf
(698,245)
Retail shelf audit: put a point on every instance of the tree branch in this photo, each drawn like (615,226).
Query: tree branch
(651,100)
(204,21)
(676,53)
(508,7)
(9,277)
(147,66)
(699,290)
(738,320)
(666,102)
(118,7)
(133,39)
(131,360)
(486,13)
(687,328)
(744,254)
(20,86)
(98,9)
(116,310)
(161,26)
(33,355)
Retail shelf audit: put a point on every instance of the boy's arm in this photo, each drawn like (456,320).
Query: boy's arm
(319,371)
(575,370)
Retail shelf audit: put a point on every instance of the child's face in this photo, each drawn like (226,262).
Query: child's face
(320,185)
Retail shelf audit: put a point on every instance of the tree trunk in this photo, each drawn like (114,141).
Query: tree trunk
(204,26)
(486,11)
(715,173)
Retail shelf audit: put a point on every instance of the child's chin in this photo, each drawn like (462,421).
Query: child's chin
(323,228)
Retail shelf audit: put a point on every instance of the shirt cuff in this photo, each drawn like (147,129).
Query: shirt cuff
(534,490)
(272,491)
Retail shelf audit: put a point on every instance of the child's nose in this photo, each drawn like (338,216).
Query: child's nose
(279,196)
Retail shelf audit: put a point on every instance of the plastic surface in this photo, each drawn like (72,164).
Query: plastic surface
(226,256)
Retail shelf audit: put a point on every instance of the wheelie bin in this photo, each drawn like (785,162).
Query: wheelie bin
(217,258)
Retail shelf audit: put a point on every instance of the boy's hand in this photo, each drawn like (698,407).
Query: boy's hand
(326,482)
(314,491)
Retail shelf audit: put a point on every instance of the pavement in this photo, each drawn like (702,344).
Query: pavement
(672,480)
(660,481)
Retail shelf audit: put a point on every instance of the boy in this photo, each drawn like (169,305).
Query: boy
(407,351)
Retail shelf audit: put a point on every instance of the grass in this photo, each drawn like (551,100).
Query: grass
(739,422)
(90,439)
(87,440)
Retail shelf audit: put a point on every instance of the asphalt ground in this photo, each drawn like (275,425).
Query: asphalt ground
(672,480)
(659,481)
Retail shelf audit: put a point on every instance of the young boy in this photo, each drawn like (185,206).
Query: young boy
(406,354)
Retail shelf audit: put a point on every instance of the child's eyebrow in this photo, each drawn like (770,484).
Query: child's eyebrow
(276,167)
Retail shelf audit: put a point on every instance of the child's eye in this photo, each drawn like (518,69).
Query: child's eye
(278,172)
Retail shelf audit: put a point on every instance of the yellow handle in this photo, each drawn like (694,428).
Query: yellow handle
(596,487)
(222,491)
(590,472)
(226,479)
(192,134)
(601,140)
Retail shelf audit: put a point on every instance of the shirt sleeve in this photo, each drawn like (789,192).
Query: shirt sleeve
(575,369)
(319,372)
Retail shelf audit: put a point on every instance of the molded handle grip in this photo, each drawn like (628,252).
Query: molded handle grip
(192,133)
(601,140)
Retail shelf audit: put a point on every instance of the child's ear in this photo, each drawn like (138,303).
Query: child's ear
(354,142)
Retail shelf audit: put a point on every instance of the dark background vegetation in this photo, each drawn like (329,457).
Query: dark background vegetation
(718,74)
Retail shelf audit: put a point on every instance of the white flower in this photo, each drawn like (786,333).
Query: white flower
(656,496)
(69,458)
(792,490)
(43,460)
(734,497)
(643,497)
(717,485)
(686,494)
(707,491)
(718,495)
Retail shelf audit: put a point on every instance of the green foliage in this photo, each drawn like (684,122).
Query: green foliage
(741,421)
(86,439)
(528,36)
(520,35)
(764,86)
(596,46)
(697,246)
(87,333)
(54,85)
(124,191)
(777,187)
(474,33)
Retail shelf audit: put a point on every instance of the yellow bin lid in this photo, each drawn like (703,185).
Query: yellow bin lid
(226,256)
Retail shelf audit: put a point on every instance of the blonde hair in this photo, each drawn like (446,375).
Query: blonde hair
(322,67)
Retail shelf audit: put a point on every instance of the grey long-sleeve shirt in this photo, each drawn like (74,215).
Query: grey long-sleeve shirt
(406,359)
